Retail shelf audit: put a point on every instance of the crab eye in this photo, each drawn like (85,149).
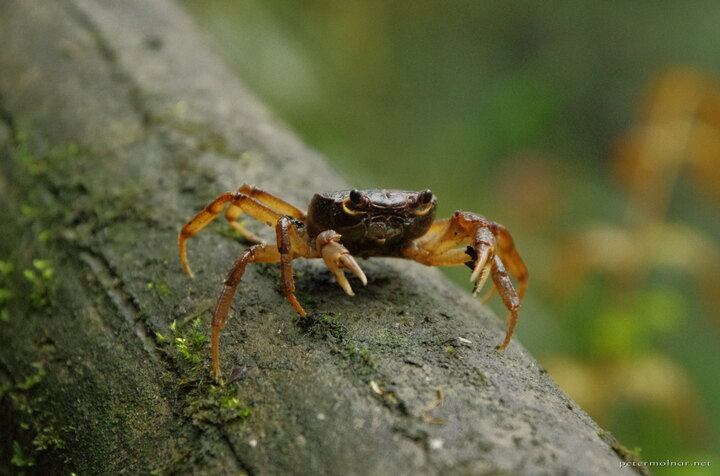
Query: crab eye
(424,202)
(354,203)
(356,196)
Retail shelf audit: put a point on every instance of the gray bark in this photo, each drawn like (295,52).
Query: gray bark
(117,125)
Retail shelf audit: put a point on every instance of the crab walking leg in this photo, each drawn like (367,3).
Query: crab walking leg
(233,213)
(443,235)
(290,247)
(239,200)
(509,296)
(337,257)
(273,202)
(439,247)
(254,254)
(509,255)
(437,226)
(491,248)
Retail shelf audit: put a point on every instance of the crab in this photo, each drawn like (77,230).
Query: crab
(340,226)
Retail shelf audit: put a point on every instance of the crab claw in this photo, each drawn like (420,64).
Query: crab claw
(480,281)
(480,265)
(337,257)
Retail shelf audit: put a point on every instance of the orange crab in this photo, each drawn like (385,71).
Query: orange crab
(339,226)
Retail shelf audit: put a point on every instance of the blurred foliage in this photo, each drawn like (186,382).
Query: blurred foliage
(591,130)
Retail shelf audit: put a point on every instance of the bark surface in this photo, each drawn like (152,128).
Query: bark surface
(117,124)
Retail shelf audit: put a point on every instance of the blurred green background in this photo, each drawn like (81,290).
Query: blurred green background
(590,129)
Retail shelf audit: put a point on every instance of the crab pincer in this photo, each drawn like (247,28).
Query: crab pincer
(337,257)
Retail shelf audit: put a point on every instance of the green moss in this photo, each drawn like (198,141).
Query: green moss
(28,211)
(186,342)
(39,166)
(36,428)
(391,338)
(41,275)
(44,236)
(6,268)
(160,287)
(34,379)
(6,294)
(323,326)
(218,405)
(48,439)
(20,458)
(360,355)
(625,454)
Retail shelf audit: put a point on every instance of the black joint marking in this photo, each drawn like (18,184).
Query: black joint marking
(470,251)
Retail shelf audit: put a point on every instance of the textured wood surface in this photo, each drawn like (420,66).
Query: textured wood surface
(117,124)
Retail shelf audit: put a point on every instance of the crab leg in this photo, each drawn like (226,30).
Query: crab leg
(510,298)
(233,212)
(238,200)
(337,257)
(290,246)
(439,247)
(490,248)
(509,255)
(254,254)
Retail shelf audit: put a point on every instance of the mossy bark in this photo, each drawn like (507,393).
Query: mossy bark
(117,124)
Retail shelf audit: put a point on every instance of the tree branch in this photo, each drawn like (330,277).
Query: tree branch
(117,125)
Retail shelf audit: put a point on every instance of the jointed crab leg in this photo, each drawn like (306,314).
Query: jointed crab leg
(510,298)
(290,246)
(232,213)
(489,245)
(254,254)
(286,238)
(238,200)
(509,255)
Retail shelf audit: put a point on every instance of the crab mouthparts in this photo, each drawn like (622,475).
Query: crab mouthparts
(382,231)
